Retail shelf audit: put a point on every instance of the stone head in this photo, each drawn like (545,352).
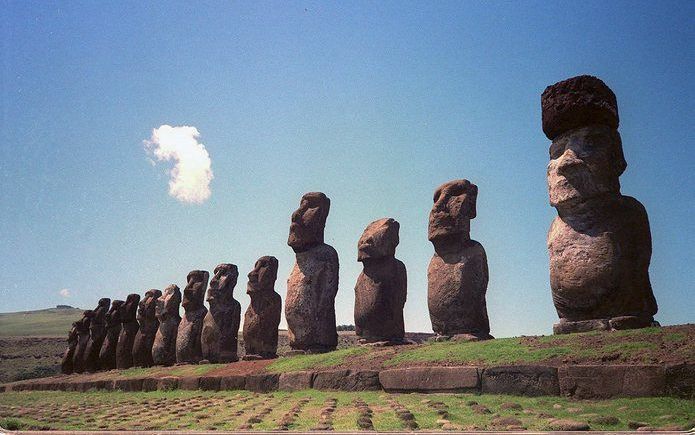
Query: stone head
(263,276)
(194,293)
(379,240)
(128,311)
(222,284)
(101,310)
(113,315)
(167,305)
(308,221)
(104,303)
(147,304)
(84,323)
(454,207)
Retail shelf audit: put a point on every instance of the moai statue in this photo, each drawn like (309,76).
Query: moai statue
(220,334)
(313,283)
(188,346)
(457,276)
(262,317)
(129,328)
(107,354)
(599,244)
(82,341)
(167,312)
(97,334)
(66,364)
(381,288)
(149,324)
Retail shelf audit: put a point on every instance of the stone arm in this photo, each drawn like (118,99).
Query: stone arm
(236,317)
(328,275)
(402,277)
(639,254)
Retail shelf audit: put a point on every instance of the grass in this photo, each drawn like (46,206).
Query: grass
(313,361)
(49,322)
(228,410)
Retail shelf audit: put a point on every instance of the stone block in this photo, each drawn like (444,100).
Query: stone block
(234,382)
(262,383)
(295,381)
(167,383)
(680,380)
(131,384)
(347,380)
(571,327)
(521,381)
(189,383)
(150,384)
(589,382)
(431,379)
(210,383)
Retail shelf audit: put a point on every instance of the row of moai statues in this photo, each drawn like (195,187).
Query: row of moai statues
(599,246)
(149,331)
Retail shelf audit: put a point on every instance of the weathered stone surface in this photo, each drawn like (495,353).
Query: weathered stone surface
(347,380)
(188,345)
(82,325)
(210,383)
(262,317)
(680,380)
(588,382)
(600,243)
(129,328)
(66,366)
(221,324)
(565,326)
(262,383)
(189,383)
(313,283)
(576,102)
(167,313)
(167,383)
(233,382)
(521,381)
(381,288)
(131,384)
(457,276)
(149,324)
(107,354)
(97,334)
(431,379)
(295,381)
(150,384)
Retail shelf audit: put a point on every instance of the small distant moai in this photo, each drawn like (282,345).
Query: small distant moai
(188,345)
(78,358)
(457,276)
(600,243)
(262,317)
(167,312)
(313,283)
(381,288)
(220,335)
(129,328)
(149,324)
(66,363)
(97,334)
(107,354)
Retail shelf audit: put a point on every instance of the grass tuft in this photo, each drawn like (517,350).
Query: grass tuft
(305,362)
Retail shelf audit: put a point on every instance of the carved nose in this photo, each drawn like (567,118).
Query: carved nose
(567,161)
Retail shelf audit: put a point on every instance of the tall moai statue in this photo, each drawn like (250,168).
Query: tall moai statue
(149,324)
(381,288)
(97,334)
(313,283)
(599,244)
(167,312)
(188,345)
(262,317)
(66,367)
(129,328)
(457,276)
(78,358)
(220,335)
(107,354)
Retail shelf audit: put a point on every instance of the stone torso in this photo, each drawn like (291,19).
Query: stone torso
(457,284)
(598,262)
(220,333)
(261,322)
(107,354)
(124,350)
(309,305)
(188,345)
(144,339)
(380,295)
(164,345)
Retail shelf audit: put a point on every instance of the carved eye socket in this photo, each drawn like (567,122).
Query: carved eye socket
(556,150)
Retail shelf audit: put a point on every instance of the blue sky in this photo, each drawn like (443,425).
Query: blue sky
(373,103)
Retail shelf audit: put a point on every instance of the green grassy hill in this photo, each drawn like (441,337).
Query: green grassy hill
(39,323)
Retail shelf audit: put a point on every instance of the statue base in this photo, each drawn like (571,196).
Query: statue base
(463,337)
(611,324)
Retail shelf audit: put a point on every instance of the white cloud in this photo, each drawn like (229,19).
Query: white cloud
(191,175)
(65,293)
